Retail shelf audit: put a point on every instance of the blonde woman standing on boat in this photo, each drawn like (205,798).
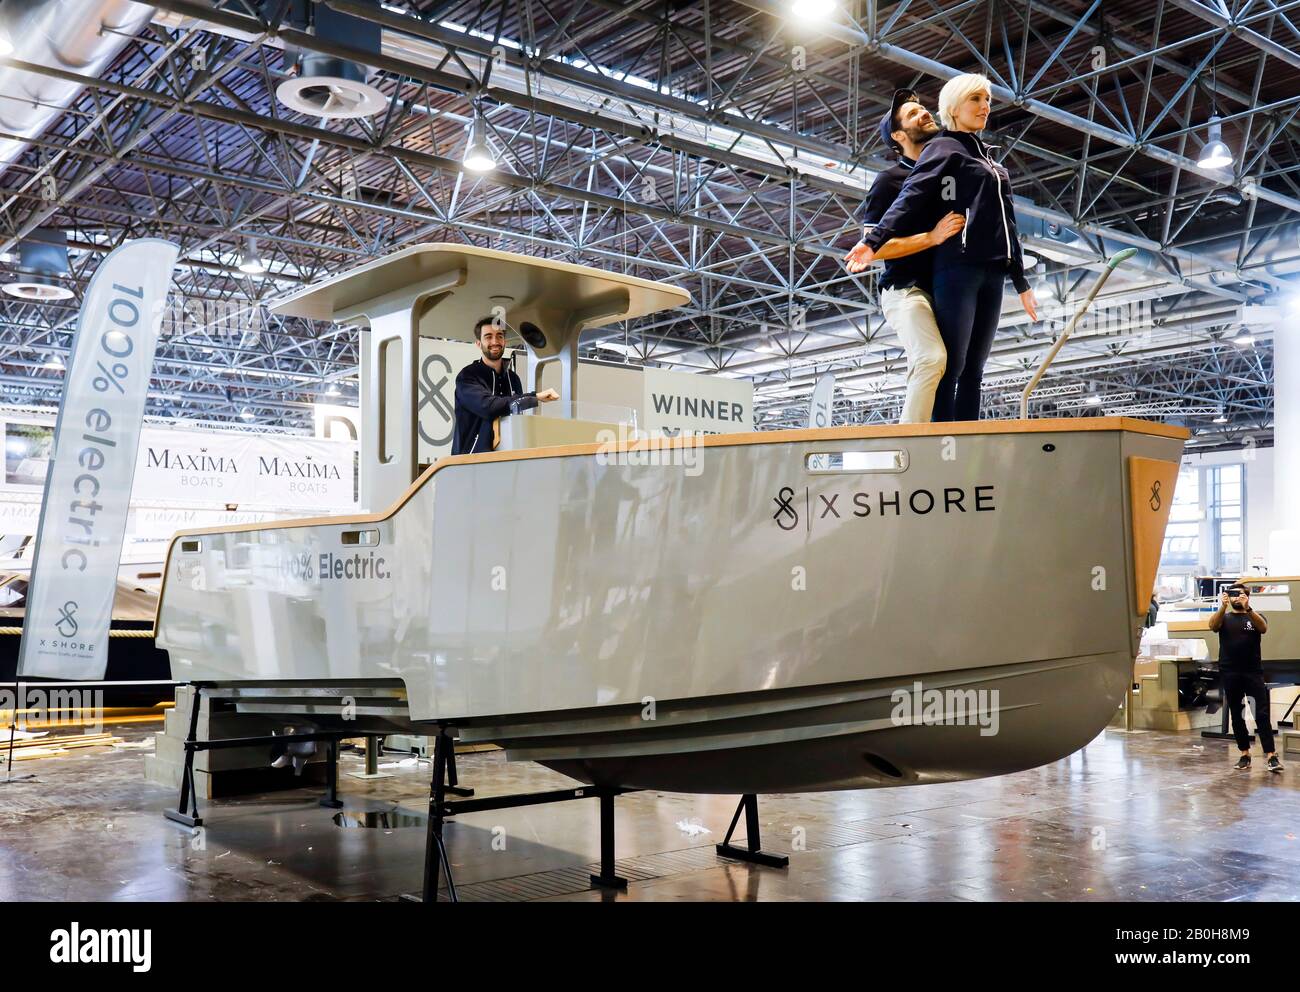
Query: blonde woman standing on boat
(955,172)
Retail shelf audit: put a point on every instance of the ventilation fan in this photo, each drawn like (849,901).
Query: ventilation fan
(325,85)
(42,262)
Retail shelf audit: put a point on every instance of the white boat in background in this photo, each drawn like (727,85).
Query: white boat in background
(741,613)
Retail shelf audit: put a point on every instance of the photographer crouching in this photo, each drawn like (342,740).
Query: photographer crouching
(1242,672)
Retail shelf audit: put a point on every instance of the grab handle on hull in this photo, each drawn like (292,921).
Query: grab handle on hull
(362,538)
(891,461)
(1116,260)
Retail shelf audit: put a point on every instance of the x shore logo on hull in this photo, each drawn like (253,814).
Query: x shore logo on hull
(793,507)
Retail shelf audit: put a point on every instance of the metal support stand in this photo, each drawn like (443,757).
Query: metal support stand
(608,877)
(331,799)
(372,761)
(1224,733)
(435,852)
(753,841)
(453,781)
(188,791)
(1285,722)
(442,809)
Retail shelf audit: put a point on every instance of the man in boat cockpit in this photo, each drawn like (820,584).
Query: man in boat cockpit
(487,390)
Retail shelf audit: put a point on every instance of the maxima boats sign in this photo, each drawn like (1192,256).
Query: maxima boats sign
(88,484)
(255,469)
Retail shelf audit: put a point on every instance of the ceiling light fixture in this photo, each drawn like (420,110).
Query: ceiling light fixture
(812,10)
(1216,154)
(250,260)
(478,152)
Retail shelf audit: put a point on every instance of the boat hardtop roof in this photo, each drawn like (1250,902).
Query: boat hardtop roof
(520,283)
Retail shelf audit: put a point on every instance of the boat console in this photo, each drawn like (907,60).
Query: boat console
(440,290)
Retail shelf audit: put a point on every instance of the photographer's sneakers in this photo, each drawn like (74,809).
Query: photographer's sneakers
(1274,765)
(1242,762)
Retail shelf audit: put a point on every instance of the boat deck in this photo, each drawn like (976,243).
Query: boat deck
(1135,817)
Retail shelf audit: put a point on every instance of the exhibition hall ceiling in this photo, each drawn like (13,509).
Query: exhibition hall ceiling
(720,146)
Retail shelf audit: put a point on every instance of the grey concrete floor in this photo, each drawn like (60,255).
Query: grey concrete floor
(1144,816)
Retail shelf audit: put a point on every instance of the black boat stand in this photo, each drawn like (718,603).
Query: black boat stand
(189,796)
(443,782)
(753,841)
(441,809)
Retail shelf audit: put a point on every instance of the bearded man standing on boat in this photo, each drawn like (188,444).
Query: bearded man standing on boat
(905,286)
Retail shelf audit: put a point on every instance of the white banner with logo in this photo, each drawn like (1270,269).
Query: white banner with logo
(708,404)
(264,470)
(88,485)
(665,402)
(217,469)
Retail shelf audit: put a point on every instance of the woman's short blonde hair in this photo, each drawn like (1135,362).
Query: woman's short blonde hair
(956,91)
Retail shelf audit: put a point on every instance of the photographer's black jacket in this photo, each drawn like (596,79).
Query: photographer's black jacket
(956,173)
(483,395)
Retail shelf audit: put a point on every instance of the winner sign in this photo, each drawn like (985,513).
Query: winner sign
(88,485)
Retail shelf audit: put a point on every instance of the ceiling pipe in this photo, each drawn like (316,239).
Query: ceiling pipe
(81,36)
(804,384)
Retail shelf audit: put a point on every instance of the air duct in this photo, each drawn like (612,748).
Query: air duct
(81,36)
(1065,244)
(43,262)
(325,85)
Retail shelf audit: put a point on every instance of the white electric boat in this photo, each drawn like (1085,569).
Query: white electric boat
(698,615)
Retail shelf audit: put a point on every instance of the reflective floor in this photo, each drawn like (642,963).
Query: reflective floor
(1144,816)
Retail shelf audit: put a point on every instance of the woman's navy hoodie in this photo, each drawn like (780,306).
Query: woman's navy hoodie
(483,395)
(956,173)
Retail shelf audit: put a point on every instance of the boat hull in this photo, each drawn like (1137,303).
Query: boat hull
(721,617)
(885,734)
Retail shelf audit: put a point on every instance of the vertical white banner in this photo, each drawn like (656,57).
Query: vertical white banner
(821,406)
(822,402)
(88,484)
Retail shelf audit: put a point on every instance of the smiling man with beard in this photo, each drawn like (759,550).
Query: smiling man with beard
(486,390)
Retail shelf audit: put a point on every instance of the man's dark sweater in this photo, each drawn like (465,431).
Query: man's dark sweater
(482,395)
